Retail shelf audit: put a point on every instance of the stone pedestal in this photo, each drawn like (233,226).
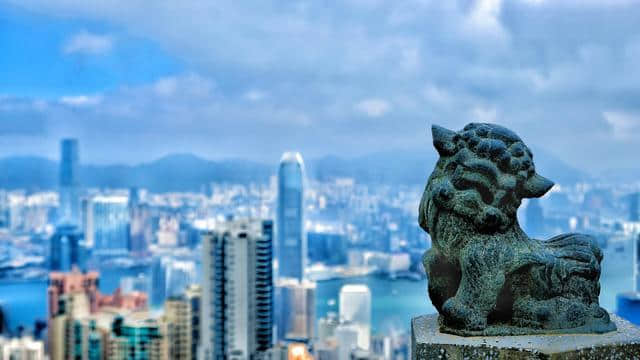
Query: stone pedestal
(427,342)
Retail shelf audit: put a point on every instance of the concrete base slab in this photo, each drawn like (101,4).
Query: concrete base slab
(427,342)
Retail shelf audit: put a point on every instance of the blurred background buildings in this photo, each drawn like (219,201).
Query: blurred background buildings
(210,274)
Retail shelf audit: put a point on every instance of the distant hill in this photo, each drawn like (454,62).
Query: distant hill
(180,172)
(548,165)
(413,167)
(620,175)
(389,167)
(184,172)
(28,172)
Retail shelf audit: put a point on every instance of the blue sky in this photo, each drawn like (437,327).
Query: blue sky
(138,80)
(36,64)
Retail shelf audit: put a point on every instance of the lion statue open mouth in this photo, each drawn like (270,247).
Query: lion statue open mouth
(486,276)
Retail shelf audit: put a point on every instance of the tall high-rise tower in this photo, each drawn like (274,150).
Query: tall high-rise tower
(237,298)
(140,229)
(295,316)
(110,225)
(177,318)
(65,251)
(291,247)
(69,183)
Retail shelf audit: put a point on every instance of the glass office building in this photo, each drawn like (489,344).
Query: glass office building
(291,250)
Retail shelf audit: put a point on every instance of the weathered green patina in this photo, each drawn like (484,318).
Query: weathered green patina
(486,276)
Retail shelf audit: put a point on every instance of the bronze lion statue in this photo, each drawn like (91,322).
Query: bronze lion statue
(485,275)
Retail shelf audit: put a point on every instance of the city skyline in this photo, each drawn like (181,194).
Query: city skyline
(374,276)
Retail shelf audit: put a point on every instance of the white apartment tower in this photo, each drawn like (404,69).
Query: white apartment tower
(355,308)
(237,291)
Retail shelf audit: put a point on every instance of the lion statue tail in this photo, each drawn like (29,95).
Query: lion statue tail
(579,253)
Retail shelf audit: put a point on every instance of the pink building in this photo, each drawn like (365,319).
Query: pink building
(75,281)
(63,283)
(132,301)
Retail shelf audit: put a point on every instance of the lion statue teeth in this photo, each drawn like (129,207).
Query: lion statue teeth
(485,275)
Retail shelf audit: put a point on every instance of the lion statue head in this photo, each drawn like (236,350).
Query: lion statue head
(483,173)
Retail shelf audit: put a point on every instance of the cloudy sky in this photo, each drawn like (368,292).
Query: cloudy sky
(136,80)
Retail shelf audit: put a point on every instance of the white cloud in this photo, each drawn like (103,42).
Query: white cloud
(255,95)
(437,95)
(484,114)
(448,62)
(373,107)
(484,19)
(596,3)
(85,42)
(181,113)
(190,85)
(624,125)
(165,86)
(79,100)
(539,81)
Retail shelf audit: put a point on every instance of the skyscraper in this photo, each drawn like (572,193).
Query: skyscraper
(159,280)
(177,319)
(61,285)
(87,221)
(65,248)
(140,224)
(66,333)
(64,283)
(194,296)
(69,183)
(180,274)
(296,310)
(182,324)
(110,225)
(237,300)
(355,308)
(292,244)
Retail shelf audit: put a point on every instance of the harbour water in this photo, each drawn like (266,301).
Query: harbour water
(394,302)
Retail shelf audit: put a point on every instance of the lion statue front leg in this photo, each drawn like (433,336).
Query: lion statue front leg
(443,277)
(482,280)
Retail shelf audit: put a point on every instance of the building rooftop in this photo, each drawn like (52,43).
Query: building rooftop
(112,199)
(355,288)
(291,157)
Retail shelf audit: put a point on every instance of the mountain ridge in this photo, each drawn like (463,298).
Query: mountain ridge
(189,172)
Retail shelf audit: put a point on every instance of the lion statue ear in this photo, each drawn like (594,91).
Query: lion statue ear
(443,140)
(536,186)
